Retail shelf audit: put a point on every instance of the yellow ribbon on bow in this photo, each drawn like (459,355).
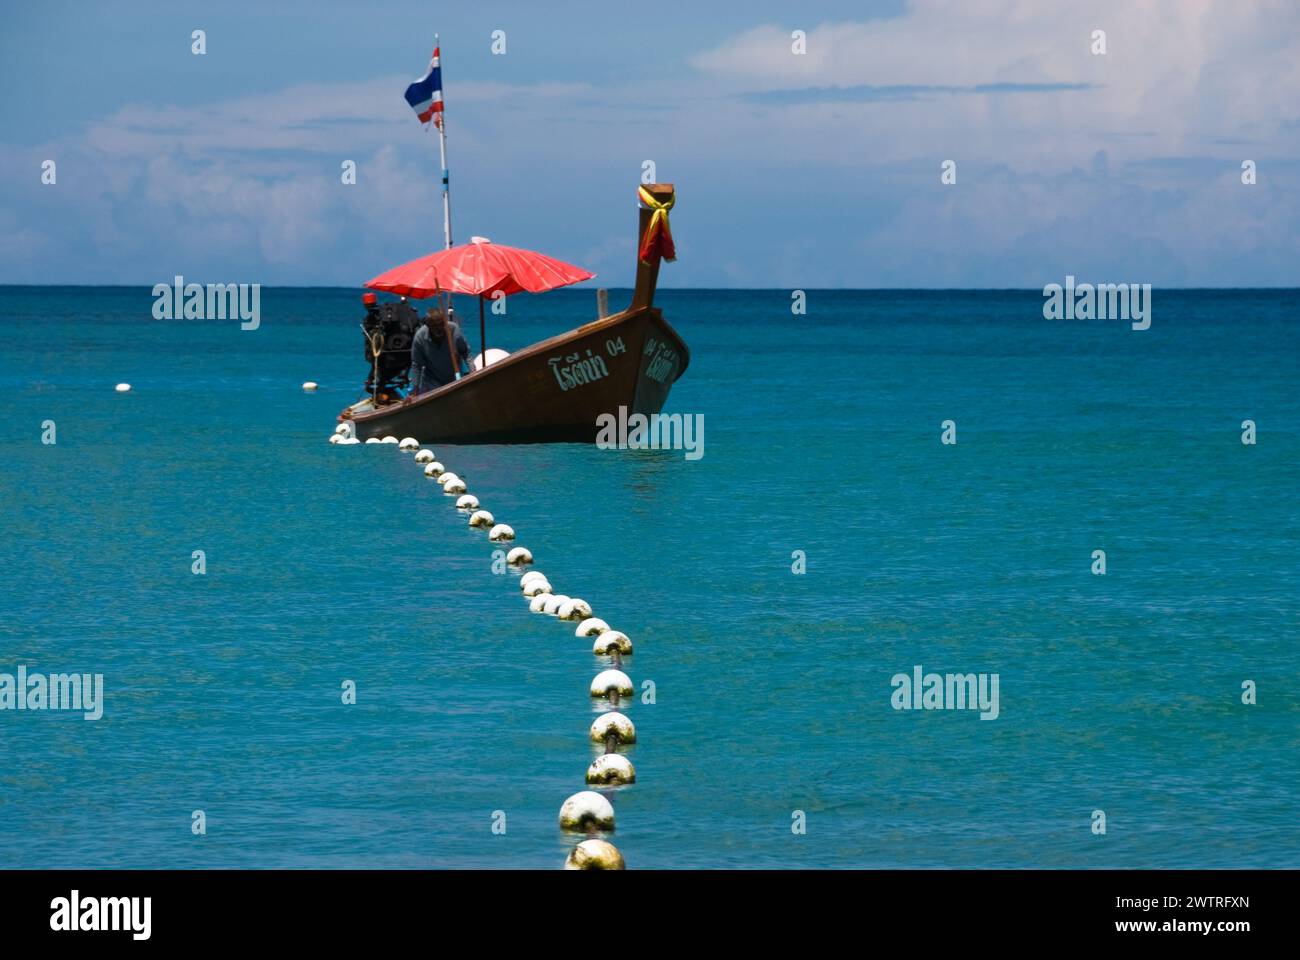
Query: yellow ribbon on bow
(658,235)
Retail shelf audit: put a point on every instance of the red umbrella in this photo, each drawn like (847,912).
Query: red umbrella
(481,268)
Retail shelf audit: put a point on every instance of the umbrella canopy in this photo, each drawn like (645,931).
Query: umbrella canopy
(482,268)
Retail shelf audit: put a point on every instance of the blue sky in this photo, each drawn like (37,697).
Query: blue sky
(813,170)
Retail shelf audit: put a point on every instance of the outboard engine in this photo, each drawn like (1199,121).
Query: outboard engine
(389,330)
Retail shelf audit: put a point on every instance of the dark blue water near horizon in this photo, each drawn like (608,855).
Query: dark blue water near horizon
(1119,693)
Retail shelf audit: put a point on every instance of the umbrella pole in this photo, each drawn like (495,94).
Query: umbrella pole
(482,332)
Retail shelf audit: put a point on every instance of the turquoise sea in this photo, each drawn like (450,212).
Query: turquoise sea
(1119,693)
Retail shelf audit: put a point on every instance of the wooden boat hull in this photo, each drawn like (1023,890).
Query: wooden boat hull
(550,392)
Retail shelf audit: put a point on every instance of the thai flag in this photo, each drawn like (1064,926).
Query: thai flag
(425,95)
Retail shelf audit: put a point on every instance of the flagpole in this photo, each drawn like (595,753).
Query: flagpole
(444,299)
(442,155)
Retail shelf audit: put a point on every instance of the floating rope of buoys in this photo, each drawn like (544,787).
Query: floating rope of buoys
(594,855)
(587,810)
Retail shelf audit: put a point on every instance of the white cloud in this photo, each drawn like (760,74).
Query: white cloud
(1187,71)
(841,189)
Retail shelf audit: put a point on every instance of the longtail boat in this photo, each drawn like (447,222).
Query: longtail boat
(555,390)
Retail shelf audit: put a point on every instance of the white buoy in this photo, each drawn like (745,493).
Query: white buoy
(590,627)
(309,386)
(424,456)
(615,723)
(502,531)
(447,477)
(518,556)
(575,609)
(467,502)
(611,768)
(481,518)
(453,488)
(494,355)
(347,440)
(586,811)
(123,388)
(389,440)
(553,605)
(373,440)
(434,470)
(611,680)
(538,603)
(408,443)
(534,588)
(531,575)
(336,437)
(594,855)
(344,429)
(612,640)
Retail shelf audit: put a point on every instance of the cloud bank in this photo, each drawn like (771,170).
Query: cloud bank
(821,169)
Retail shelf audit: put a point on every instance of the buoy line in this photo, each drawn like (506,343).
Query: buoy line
(587,811)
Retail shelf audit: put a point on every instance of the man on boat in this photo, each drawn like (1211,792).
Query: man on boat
(431,358)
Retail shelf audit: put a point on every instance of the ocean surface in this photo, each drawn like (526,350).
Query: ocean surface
(1119,693)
